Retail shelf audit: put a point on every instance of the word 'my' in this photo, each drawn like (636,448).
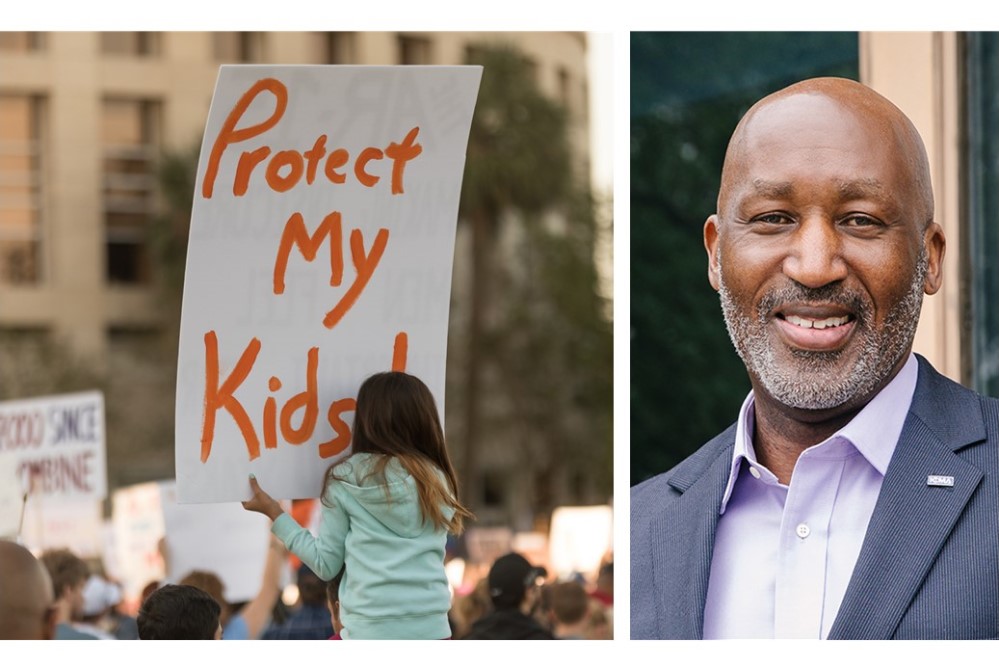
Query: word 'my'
(295,233)
(223,396)
(287,167)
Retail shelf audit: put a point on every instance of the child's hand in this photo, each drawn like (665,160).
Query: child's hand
(261,502)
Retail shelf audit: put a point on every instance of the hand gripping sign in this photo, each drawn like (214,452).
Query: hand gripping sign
(321,246)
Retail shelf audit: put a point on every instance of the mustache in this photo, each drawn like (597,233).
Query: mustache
(830,294)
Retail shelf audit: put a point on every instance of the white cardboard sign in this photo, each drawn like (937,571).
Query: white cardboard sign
(321,247)
(221,538)
(57,446)
(137,520)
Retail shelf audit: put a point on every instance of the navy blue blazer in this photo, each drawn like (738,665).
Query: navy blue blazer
(929,565)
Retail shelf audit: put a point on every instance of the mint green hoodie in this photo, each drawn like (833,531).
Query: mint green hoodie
(394,584)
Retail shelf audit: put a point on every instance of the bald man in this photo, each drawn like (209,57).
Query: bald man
(25,595)
(857,493)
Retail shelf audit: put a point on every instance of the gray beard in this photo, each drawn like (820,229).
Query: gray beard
(813,380)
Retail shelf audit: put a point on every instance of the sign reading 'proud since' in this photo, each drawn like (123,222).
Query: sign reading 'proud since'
(321,247)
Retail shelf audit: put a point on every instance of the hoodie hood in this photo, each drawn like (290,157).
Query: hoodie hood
(393,500)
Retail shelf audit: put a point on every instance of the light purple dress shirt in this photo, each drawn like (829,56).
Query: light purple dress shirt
(783,555)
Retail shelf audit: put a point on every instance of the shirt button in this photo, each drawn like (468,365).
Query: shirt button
(755,472)
(803,530)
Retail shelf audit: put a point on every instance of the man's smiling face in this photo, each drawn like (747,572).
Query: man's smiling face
(823,246)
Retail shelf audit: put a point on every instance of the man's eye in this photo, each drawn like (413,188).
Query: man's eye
(861,221)
(774,218)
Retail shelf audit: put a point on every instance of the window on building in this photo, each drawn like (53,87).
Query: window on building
(341,48)
(531,66)
(130,43)
(20,188)
(414,50)
(21,42)
(493,488)
(129,137)
(237,47)
(565,88)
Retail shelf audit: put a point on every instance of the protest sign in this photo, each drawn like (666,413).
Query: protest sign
(137,520)
(62,523)
(321,247)
(11,498)
(57,445)
(579,539)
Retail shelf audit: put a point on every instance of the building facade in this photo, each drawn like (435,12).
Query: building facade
(84,118)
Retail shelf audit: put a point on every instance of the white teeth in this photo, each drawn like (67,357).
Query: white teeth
(817,323)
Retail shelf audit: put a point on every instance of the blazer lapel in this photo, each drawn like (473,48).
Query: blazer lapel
(683,539)
(912,519)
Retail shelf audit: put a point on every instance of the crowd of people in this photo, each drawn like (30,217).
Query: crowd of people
(60,596)
(387,513)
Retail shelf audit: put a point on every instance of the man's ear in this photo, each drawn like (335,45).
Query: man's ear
(936,245)
(711,245)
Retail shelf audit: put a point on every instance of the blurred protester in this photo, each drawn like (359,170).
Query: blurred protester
(514,591)
(150,587)
(99,596)
(333,604)
(179,612)
(69,574)
(312,620)
(121,624)
(599,624)
(26,611)
(602,609)
(250,620)
(604,591)
(569,608)
(470,608)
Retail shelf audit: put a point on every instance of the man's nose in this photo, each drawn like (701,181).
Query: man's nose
(814,256)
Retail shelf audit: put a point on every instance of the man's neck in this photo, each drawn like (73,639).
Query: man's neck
(779,438)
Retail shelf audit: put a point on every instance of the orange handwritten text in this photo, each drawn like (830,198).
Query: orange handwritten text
(275,422)
(287,167)
(296,234)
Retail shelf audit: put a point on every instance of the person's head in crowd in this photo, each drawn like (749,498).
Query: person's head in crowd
(180,612)
(599,626)
(213,585)
(467,609)
(150,587)
(99,596)
(69,575)
(513,583)
(568,604)
(311,588)
(333,601)
(26,611)
(604,591)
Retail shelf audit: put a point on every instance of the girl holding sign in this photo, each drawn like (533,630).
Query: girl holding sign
(387,510)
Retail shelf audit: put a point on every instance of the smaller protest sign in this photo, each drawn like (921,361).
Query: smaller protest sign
(57,442)
(221,538)
(580,537)
(137,519)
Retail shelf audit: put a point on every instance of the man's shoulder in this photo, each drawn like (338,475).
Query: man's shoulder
(948,407)
(654,493)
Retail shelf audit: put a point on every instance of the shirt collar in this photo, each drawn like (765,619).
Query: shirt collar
(874,431)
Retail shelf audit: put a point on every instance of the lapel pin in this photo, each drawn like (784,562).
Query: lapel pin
(940,480)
